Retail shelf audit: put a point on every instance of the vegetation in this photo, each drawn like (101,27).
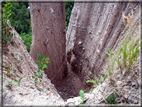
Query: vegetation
(9,69)
(9,84)
(41,65)
(68,7)
(27,38)
(19,17)
(18,81)
(7,35)
(96,81)
(126,58)
(111,99)
(81,93)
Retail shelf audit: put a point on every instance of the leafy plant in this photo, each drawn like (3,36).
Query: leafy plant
(9,84)
(96,81)
(81,93)
(41,65)
(7,36)
(9,69)
(111,99)
(12,54)
(105,77)
(18,81)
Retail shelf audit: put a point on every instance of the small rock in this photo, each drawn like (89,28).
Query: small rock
(64,30)
(135,102)
(126,96)
(136,87)
(130,92)
(130,99)
(129,77)
(123,78)
(26,85)
(117,78)
(47,28)
(128,81)
(119,83)
(79,43)
(83,49)
(133,84)
(90,32)
(51,10)
(139,82)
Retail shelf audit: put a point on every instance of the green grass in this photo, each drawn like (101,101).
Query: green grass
(126,58)
(111,99)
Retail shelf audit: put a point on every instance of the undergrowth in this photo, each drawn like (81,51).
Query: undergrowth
(41,65)
(7,38)
(81,93)
(126,58)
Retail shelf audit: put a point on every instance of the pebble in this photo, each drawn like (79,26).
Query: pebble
(129,77)
(139,82)
(130,99)
(47,28)
(133,84)
(128,81)
(126,96)
(83,49)
(90,32)
(79,43)
(26,85)
(123,78)
(135,102)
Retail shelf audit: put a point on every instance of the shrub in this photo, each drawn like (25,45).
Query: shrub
(27,38)
(41,65)
(111,99)
(96,81)
(81,93)
(7,35)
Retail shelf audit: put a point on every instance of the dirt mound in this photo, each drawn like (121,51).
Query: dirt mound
(22,65)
